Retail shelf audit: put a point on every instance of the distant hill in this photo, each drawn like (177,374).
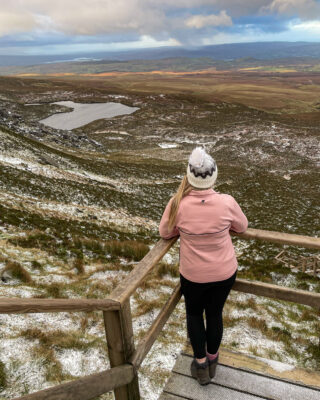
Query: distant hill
(259,50)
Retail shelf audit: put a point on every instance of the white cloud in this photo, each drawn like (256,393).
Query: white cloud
(144,41)
(200,21)
(143,17)
(302,8)
(312,27)
(85,17)
(98,23)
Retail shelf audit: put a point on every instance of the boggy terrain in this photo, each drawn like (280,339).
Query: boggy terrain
(79,208)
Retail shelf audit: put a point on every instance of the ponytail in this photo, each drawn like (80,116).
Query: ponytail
(184,189)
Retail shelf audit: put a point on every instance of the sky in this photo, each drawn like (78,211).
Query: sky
(43,27)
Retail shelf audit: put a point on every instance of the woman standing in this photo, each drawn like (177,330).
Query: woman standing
(203,218)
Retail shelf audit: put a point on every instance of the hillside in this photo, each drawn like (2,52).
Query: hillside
(79,208)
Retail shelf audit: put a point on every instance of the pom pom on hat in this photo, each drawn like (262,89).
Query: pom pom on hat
(197,157)
(202,170)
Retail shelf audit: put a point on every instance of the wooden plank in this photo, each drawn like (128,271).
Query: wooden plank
(280,237)
(265,366)
(124,290)
(170,396)
(119,334)
(253,383)
(138,274)
(32,305)
(86,388)
(189,388)
(277,292)
(146,343)
(129,347)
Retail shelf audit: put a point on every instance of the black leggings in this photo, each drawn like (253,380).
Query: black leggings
(209,297)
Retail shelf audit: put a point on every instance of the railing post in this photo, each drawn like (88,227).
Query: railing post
(119,333)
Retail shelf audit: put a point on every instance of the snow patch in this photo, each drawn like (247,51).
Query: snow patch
(167,145)
(80,363)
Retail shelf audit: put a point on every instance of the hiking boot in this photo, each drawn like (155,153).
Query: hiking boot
(200,372)
(212,367)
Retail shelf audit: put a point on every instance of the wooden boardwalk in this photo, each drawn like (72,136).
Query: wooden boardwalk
(241,377)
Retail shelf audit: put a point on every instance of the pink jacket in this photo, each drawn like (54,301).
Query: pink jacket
(203,222)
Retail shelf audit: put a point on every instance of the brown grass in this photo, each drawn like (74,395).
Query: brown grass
(17,271)
(130,249)
(164,268)
(58,338)
(3,377)
(78,264)
(258,323)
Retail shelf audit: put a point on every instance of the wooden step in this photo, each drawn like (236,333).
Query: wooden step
(242,377)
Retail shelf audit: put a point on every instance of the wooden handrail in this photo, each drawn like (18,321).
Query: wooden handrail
(124,290)
(280,237)
(128,285)
(146,343)
(120,341)
(19,306)
(86,388)
(277,292)
(124,358)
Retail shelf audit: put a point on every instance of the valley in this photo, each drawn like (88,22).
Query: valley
(80,207)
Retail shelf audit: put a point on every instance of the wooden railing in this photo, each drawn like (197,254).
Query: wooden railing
(125,359)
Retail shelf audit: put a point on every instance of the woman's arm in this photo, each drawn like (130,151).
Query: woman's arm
(163,227)
(239,221)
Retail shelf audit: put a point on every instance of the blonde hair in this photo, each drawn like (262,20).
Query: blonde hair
(184,189)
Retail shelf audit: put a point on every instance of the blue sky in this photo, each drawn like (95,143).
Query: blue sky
(29,27)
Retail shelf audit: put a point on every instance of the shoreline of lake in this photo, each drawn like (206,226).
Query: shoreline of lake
(83,113)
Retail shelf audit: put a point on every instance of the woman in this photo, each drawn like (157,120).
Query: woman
(203,218)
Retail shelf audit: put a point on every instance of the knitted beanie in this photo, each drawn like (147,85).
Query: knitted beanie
(202,170)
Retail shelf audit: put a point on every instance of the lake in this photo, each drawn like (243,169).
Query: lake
(82,114)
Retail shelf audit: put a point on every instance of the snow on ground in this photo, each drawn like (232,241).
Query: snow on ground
(156,367)
(113,131)
(16,356)
(120,217)
(75,362)
(167,145)
(276,365)
(102,276)
(11,324)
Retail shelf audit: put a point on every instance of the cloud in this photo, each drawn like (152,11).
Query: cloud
(103,22)
(200,21)
(145,17)
(70,47)
(85,17)
(305,9)
(312,27)
(12,21)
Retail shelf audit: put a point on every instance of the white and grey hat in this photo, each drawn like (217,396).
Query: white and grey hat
(202,170)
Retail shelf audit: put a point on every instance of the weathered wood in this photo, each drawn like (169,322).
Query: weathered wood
(138,274)
(119,334)
(146,343)
(240,380)
(278,292)
(129,347)
(86,388)
(19,306)
(280,237)
(123,291)
(264,366)
(304,264)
